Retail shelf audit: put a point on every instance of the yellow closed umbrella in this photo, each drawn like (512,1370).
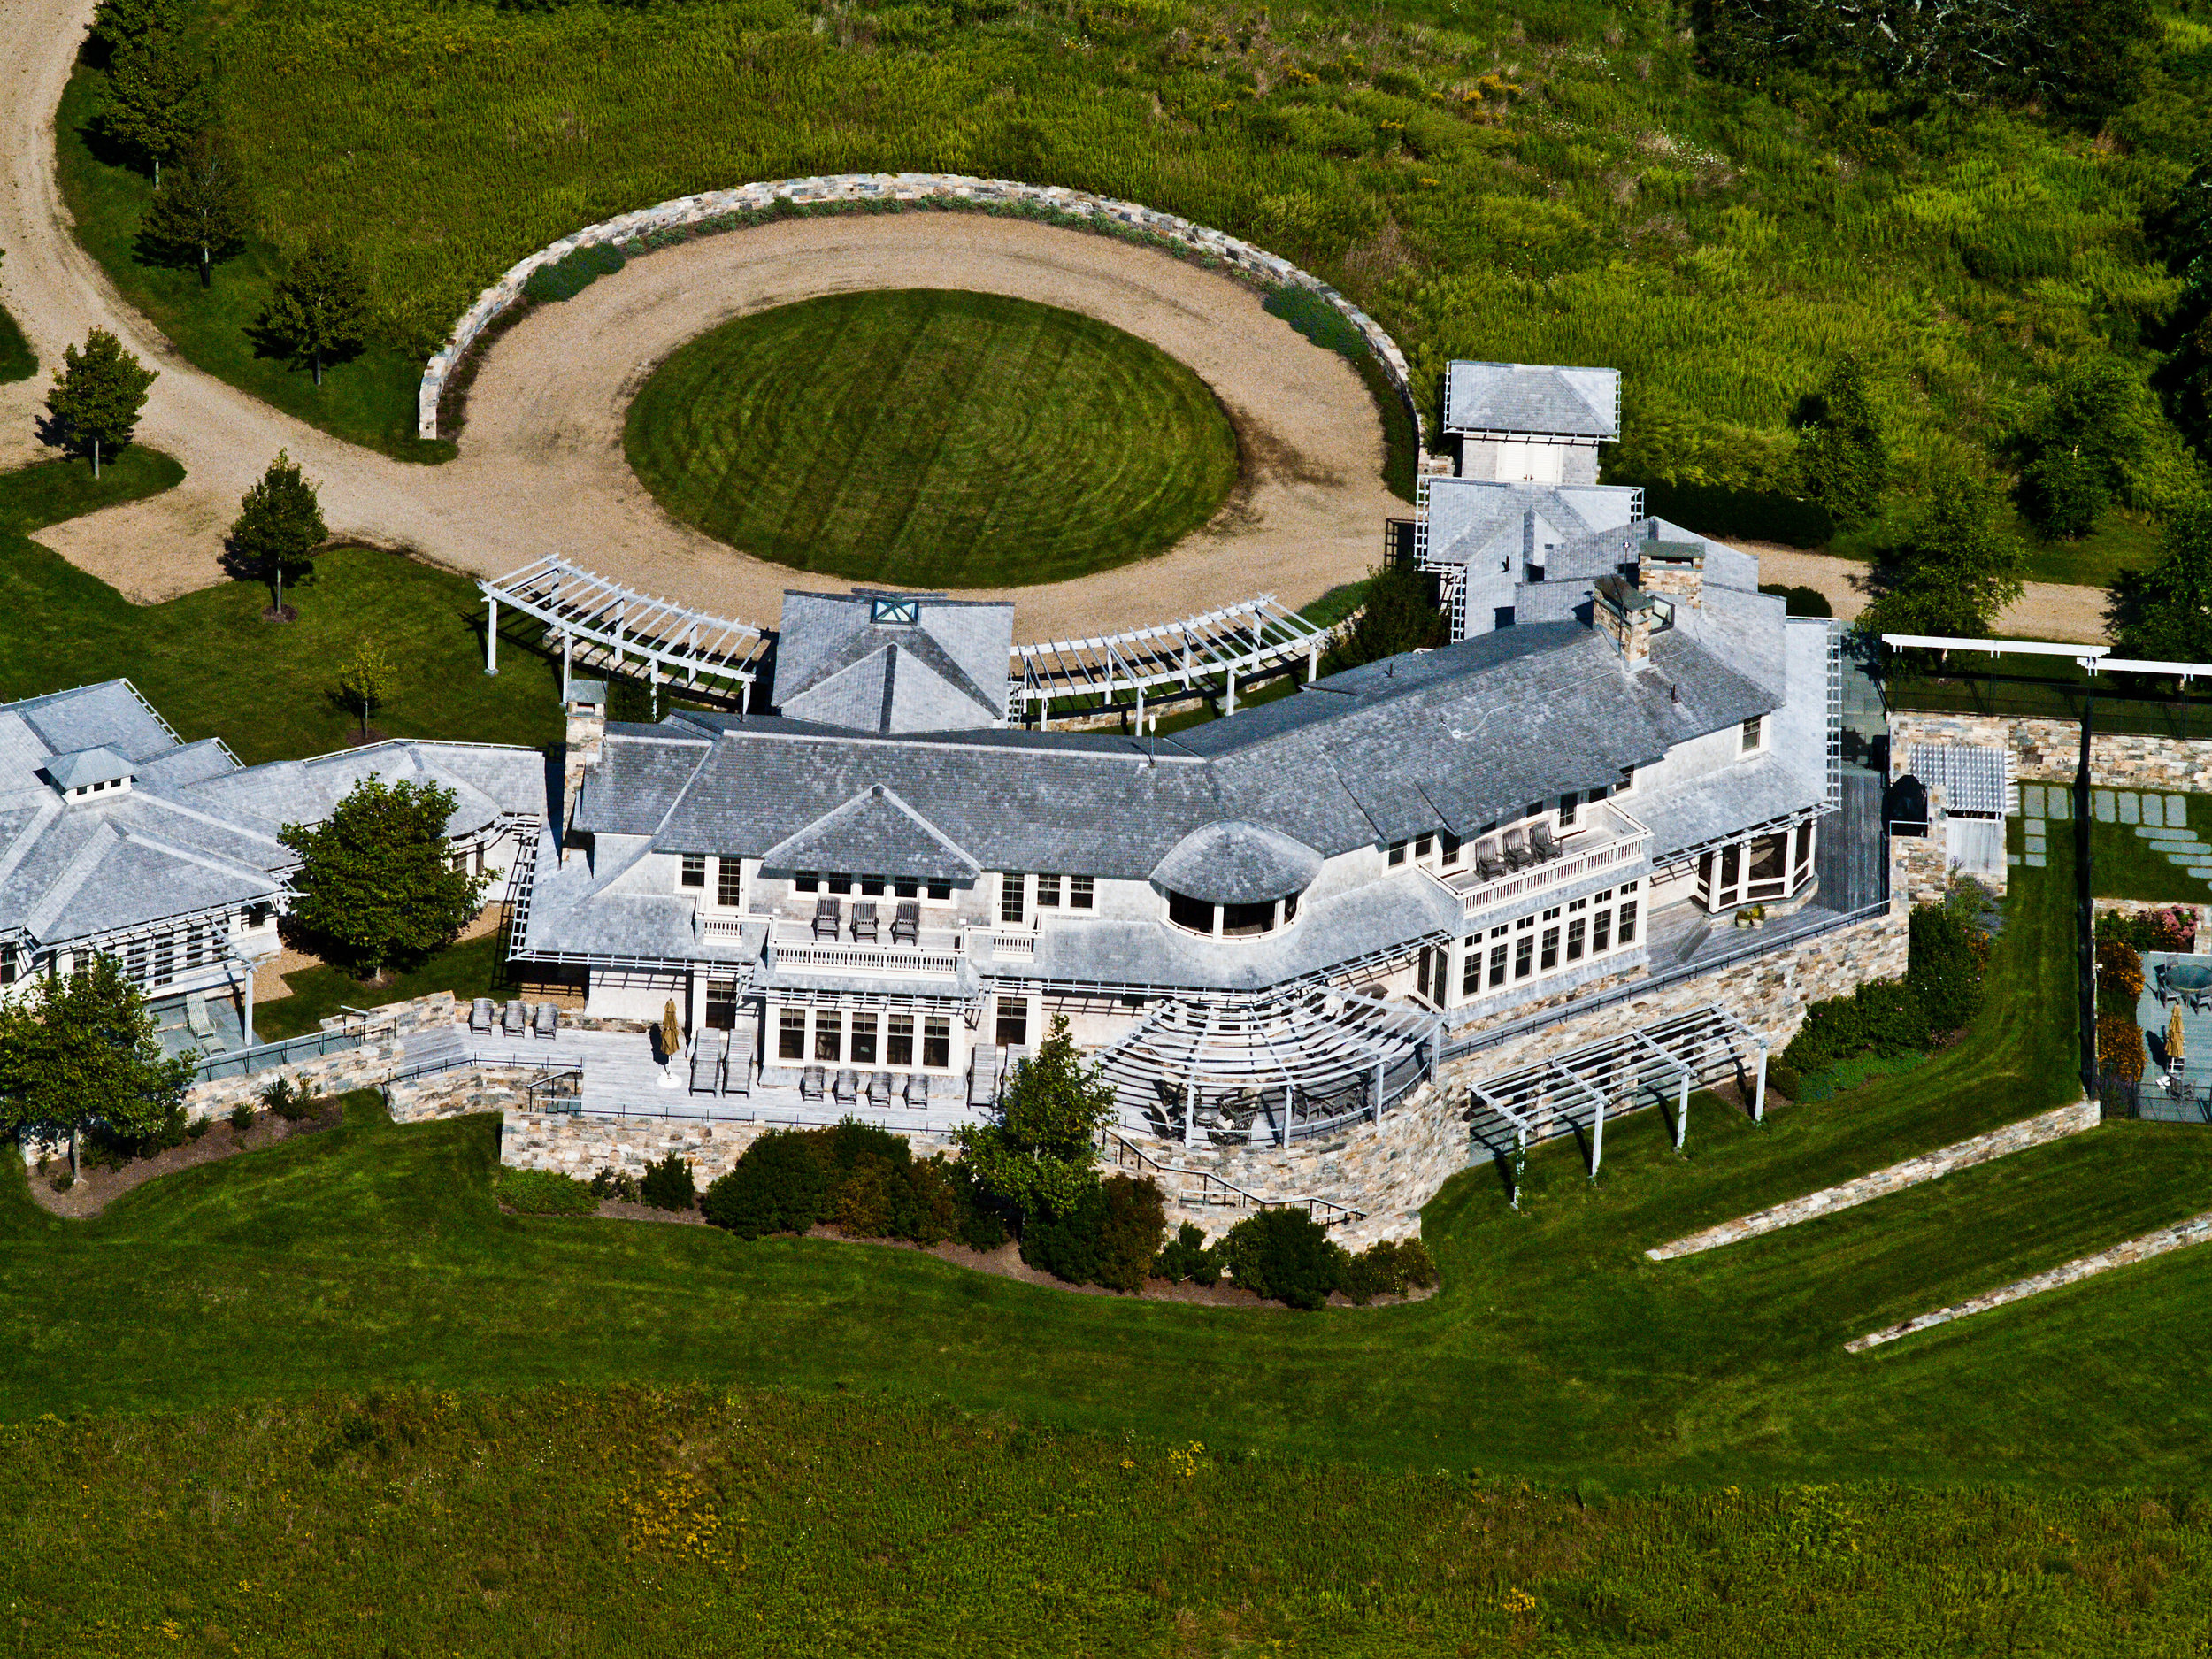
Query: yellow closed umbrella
(2174,1042)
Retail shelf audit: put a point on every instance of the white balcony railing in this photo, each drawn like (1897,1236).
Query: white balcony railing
(1609,838)
(935,955)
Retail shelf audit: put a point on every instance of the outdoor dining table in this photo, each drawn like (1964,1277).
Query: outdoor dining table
(2190,983)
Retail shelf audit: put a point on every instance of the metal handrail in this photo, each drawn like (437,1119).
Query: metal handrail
(268,1056)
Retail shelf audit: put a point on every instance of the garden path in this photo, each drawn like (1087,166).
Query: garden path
(541,469)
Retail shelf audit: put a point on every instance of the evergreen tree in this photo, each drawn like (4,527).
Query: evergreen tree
(1042,1156)
(1843,455)
(375,883)
(321,309)
(199,217)
(157,99)
(1955,568)
(79,1052)
(2165,614)
(280,523)
(97,395)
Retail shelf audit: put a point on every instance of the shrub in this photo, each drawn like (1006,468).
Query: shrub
(1110,1238)
(1782,1078)
(545,1193)
(1189,1257)
(566,277)
(1947,955)
(778,1186)
(2173,929)
(1285,1255)
(2120,1047)
(1800,602)
(2119,979)
(667,1185)
(199,1126)
(241,1115)
(1387,1268)
(615,1184)
(289,1099)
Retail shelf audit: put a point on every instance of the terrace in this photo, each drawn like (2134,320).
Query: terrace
(1508,866)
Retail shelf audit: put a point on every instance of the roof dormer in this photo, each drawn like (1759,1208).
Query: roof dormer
(90,774)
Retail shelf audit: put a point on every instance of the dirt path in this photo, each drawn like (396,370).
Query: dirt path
(541,469)
(2047,611)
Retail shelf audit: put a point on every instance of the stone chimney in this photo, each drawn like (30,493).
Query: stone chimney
(1623,613)
(586,737)
(1673,571)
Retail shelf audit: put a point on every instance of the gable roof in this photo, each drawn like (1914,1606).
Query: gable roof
(1533,398)
(877,833)
(1472,521)
(835,663)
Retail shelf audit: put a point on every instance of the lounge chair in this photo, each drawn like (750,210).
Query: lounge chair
(918,1092)
(826,919)
(983,1068)
(880,1089)
(549,1020)
(1517,856)
(810,1081)
(907,923)
(201,1024)
(517,1022)
(707,1055)
(480,1015)
(865,919)
(1540,844)
(847,1088)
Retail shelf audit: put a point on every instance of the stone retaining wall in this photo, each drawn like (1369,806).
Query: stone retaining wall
(2029,1131)
(2048,751)
(360,1067)
(581,1147)
(980,194)
(2196,1230)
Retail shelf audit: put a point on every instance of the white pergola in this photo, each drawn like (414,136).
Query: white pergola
(1242,639)
(1674,1056)
(601,624)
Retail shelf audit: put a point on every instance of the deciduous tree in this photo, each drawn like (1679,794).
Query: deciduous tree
(365,681)
(375,882)
(157,101)
(1398,616)
(280,523)
(98,393)
(200,216)
(117,24)
(79,1052)
(1042,1156)
(2079,449)
(2165,614)
(321,310)
(1955,568)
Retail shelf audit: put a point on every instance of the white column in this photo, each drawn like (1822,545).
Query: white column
(491,634)
(1597,1137)
(1759,1091)
(567,639)
(1682,1113)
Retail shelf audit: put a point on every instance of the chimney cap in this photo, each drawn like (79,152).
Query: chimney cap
(587,691)
(1623,594)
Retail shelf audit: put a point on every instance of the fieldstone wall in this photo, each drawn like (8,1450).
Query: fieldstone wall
(2029,1131)
(581,1147)
(456,1093)
(704,209)
(2048,751)
(2196,1230)
(363,1066)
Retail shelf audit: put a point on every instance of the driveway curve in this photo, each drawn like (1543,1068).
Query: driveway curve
(541,470)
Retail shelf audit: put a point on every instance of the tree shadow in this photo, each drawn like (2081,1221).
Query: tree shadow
(271,344)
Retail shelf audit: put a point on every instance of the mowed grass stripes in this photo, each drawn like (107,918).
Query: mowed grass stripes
(928,437)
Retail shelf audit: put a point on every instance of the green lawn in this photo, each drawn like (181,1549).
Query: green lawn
(470,969)
(372,1256)
(369,400)
(932,438)
(643,1522)
(214,669)
(2126,866)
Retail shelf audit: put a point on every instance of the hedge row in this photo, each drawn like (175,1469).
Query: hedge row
(1940,994)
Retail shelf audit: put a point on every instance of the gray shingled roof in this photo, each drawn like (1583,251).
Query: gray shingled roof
(83,766)
(960,646)
(1489,523)
(1533,398)
(1236,862)
(878,833)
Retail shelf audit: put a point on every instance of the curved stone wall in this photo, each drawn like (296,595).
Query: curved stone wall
(904,186)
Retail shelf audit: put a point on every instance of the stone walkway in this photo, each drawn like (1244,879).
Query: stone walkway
(2196,1230)
(2160,819)
(2029,1131)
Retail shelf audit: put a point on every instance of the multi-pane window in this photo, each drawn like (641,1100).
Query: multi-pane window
(1575,924)
(905,889)
(940,891)
(1449,849)
(829,1033)
(937,1041)
(1013,1021)
(165,960)
(838,884)
(1423,847)
(1602,926)
(1550,957)
(1079,890)
(1047,891)
(872,886)
(721,1004)
(1568,803)
(898,1042)
(696,871)
(1754,732)
(1525,948)
(1397,852)
(1625,930)
(863,1052)
(805,881)
(1497,964)
(791,1034)
(729,882)
(1010,895)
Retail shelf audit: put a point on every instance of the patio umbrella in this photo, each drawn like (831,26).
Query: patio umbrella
(2174,1042)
